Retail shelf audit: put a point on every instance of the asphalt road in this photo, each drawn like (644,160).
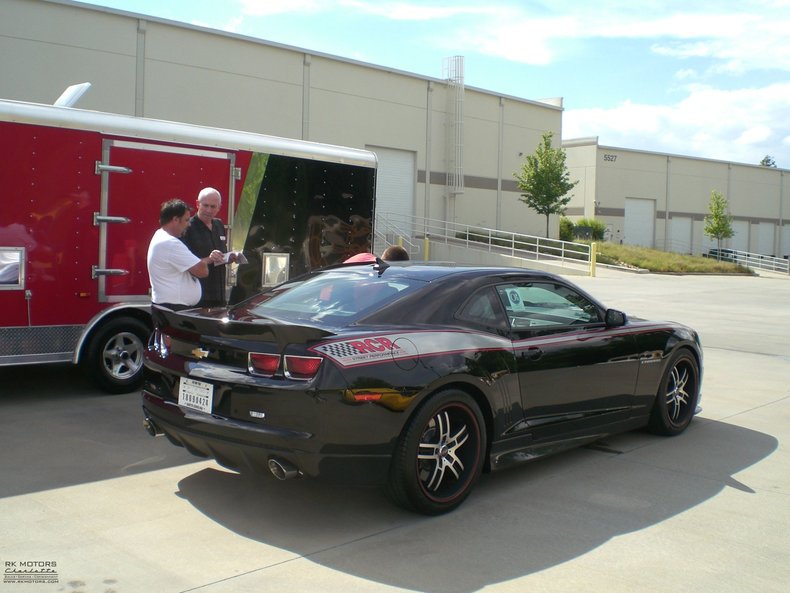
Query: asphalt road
(88,495)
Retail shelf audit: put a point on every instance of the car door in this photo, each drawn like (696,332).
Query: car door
(575,373)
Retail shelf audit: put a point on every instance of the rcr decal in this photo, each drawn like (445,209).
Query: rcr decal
(361,351)
(369,345)
(390,347)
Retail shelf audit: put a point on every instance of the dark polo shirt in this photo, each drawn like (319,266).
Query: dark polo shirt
(202,241)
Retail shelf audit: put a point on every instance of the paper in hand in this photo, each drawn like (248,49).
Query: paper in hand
(240,259)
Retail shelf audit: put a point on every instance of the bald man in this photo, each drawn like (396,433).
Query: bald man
(205,234)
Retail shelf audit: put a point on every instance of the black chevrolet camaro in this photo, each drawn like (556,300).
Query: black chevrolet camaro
(415,377)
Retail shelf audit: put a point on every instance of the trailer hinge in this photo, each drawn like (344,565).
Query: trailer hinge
(96,271)
(237,173)
(102,168)
(99,218)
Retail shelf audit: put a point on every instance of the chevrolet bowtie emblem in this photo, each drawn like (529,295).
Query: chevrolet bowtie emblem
(200,353)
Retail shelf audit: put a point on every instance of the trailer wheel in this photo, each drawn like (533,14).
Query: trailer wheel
(115,354)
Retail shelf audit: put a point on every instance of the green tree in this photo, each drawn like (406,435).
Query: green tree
(544,180)
(768,161)
(718,223)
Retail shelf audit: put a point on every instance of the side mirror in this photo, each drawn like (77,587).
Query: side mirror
(615,318)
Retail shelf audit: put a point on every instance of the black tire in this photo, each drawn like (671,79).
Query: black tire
(440,454)
(115,354)
(676,400)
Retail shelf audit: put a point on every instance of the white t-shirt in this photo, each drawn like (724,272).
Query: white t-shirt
(168,263)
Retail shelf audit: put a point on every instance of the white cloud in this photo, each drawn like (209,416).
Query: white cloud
(686,74)
(528,43)
(409,11)
(231,26)
(750,36)
(755,135)
(741,125)
(423,11)
(272,7)
(760,45)
(680,25)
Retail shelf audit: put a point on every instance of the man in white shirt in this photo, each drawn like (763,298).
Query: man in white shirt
(173,269)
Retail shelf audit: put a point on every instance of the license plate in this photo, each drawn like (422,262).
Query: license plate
(195,395)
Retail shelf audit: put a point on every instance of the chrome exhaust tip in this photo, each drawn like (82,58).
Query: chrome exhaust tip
(283,470)
(151,428)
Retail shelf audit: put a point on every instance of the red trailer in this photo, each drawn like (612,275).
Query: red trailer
(81,198)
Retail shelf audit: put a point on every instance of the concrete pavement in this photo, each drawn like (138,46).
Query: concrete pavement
(83,486)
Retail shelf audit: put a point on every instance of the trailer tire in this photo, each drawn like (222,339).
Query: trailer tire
(115,354)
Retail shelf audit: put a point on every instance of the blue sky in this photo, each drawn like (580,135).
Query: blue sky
(704,78)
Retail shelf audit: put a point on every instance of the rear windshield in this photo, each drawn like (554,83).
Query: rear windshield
(334,297)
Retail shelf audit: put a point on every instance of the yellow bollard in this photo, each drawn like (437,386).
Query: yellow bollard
(593,256)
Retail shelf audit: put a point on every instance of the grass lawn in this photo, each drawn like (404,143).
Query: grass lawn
(663,261)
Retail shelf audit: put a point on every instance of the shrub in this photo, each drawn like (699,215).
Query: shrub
(566,229)
(596,228)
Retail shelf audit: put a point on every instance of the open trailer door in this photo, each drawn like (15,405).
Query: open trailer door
(136,178)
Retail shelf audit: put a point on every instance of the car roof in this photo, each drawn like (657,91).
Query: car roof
(433,271)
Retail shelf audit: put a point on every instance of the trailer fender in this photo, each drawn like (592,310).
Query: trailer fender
(111,349)
(140,311)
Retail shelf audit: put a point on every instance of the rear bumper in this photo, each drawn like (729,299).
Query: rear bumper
(245,446)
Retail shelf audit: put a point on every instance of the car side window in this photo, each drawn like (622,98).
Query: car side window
(543,305)
(484,309)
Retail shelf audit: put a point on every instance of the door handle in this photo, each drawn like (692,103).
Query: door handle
(532,353)
(96,271)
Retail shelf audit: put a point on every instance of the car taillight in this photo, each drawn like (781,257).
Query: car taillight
(301,367)
(262,364)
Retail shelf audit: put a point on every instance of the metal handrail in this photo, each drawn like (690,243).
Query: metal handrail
(751,260)
(391,234)
(414,229)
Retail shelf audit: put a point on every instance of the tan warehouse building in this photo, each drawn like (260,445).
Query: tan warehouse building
(660,200)
(446,151)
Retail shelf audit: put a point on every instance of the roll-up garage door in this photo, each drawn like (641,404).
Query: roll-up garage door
(679,235)
(640,221)
(740,240)
(765,238)
(395,182)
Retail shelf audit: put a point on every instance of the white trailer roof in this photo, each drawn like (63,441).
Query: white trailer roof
(182,133)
